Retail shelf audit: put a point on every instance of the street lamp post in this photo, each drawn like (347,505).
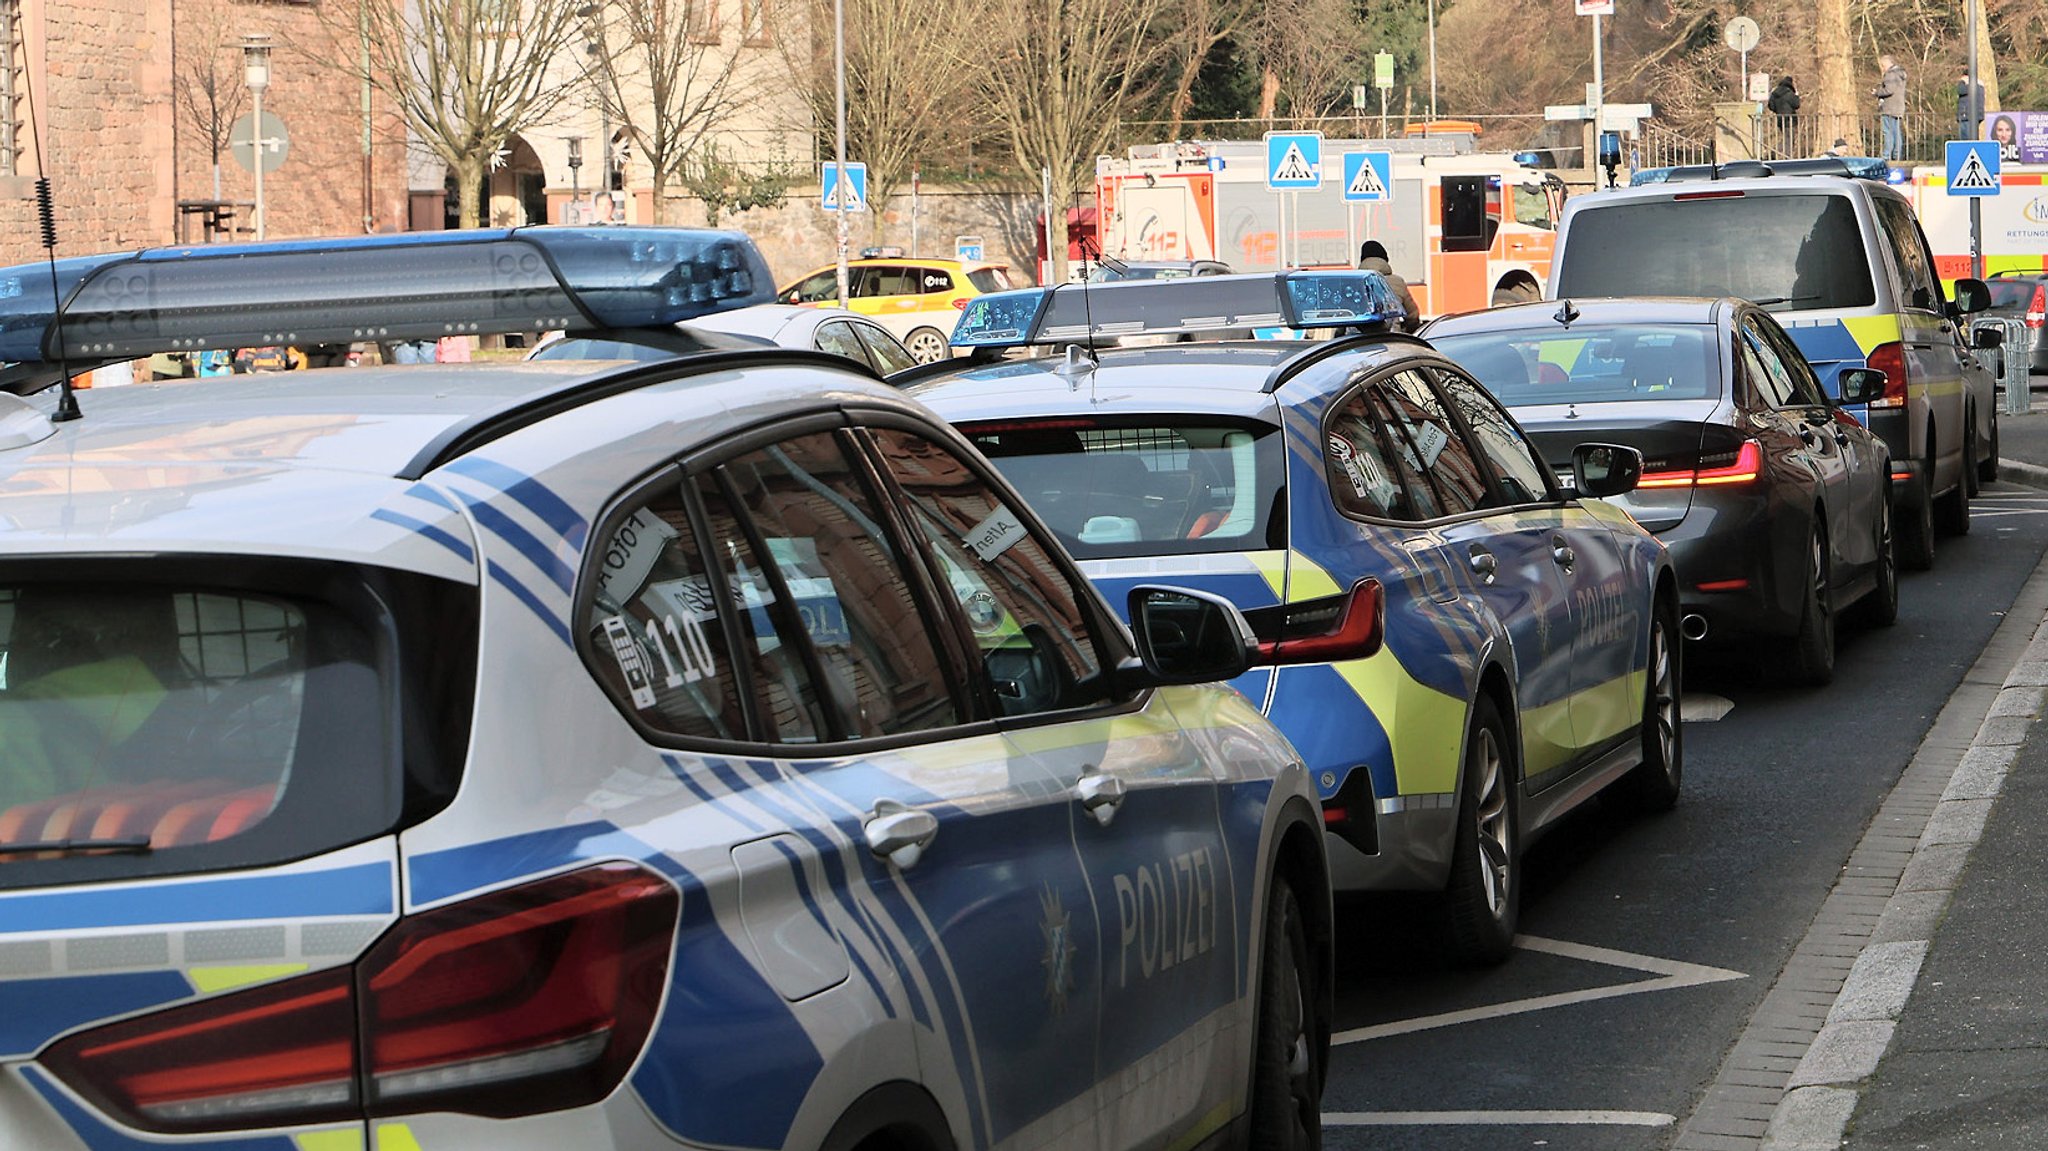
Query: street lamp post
(576,176)
(839,140)
(256,71)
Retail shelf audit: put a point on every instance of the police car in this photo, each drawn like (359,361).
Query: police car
(1461,651)
(711,752)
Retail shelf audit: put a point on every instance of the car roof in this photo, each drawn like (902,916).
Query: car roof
(1794,185)
(772,322)
(1630,310)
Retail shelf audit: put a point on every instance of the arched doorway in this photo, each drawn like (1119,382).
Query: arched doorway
(518,187)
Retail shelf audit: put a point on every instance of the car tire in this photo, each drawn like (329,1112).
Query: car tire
(1952,511)
(1916,534)
(1287,1056)
(927,345)
(1973,476)
(1653,784)
(1987,468)
(1881,607)
(1484,896)
(1811,660)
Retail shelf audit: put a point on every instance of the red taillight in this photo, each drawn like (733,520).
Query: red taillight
(1335,815)
(2037,308)
(1337,627)
(960,303)
(1745,466)
(1891,360)
(1707,196)
(534,998)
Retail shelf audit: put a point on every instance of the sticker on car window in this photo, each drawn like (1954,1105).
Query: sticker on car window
(995,534)
(678,637)
(629,558)
(1367,480)
(1430,439)
(632,665)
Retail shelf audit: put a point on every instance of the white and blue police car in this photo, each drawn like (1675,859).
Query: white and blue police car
(712,752)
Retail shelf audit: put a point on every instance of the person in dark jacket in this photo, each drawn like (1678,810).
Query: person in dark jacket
(1890,95)
(1372,257)
(1784,104)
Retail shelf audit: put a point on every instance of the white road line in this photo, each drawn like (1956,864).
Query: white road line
(1672,975)
(1703,707)
(1497,1119)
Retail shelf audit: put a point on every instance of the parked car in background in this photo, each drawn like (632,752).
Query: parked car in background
(918,300)
(1837,257)
(830,330)
(1774,501)
(1461,649)
(2023,296)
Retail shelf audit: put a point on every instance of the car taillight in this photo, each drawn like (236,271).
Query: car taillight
(535,998)
(1736,466)
(1891,360)
(1337,627)
(2037,308)
(960,303)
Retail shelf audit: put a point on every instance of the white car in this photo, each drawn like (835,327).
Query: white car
(832,330)
(711,752)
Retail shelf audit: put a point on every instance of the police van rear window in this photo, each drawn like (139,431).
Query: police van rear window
(1796,252)
(1169,485)
(188,724)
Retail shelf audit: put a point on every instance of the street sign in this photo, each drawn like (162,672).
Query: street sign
(1623,117)
(967,248)
(1294,159)
(1741,34)
(1562,112)
(1973,168)
(850,192)
(276,145)
(1369,176)
(1357,97)
(1383,70)
(1594,7)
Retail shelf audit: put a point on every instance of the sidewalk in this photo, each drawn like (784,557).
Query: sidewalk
(1938,1039)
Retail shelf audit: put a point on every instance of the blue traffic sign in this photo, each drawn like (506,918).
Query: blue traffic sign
(850,192)
(1369,176)
(1973,168)
(967,248)
(1294,159)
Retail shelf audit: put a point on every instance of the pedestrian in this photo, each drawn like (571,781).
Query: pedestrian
(1372,257)
(1969,113)
(1784,104)
(1891,105)
(1839,148)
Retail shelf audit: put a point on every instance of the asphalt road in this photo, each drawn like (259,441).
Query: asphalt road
(1651,940)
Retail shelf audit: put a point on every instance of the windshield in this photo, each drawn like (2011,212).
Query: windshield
(1159,486)
(1590,365)
(1785,252)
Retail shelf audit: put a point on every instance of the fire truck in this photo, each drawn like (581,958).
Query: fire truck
(2015,221)
(1457,223)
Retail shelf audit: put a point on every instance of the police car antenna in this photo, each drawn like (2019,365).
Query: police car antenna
(1565,315)
(46,213)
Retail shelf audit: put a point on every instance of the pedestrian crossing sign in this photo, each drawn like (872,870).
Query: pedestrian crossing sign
(1973,168)
(1368,176)
(848,190)
(1294,159)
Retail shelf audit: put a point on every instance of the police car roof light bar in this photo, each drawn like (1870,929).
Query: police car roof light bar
(408,286)
(1064,314)
(1859,167)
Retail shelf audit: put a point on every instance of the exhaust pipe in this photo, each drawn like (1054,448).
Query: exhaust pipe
(1693,626)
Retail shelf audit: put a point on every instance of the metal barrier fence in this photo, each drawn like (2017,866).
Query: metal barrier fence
(2014,359)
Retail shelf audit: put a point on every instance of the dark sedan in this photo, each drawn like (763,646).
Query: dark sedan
(1774,502)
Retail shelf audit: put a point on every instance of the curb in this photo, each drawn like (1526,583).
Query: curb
(2029,475)
(1824,1088)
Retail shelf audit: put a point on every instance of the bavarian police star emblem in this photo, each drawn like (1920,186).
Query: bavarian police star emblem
(1059,949)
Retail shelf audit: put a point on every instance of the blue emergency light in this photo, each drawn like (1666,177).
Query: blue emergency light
(1859,167)
(1070,313)
(409,286)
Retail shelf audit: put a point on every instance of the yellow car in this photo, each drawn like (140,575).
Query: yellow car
(917,299)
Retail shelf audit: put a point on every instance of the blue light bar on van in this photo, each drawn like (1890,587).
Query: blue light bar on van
(1185,306)
(409,286)
(1860,167)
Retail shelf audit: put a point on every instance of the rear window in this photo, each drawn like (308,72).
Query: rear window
(2012,295)
(989,280)
(1785,252)
(1164,486)
(1590,365)
(184,724)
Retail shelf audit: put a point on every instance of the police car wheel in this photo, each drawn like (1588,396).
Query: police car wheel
(1881,607)
(927,345)
(1485,892)
(1987,468)
(1287,1073)
(1972,475)
(1916,533)
(1653,785)
(1811,660)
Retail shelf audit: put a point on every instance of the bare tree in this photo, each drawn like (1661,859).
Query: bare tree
(207,87)
(1058,75)
(1308,53)
(466,75)
(1204,24)
(672,77)
(910,70)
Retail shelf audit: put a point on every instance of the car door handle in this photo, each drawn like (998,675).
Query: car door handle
(900,833)
(1562,553)
(1101,795)
(1806,435)
(1484,565)
(1841,438)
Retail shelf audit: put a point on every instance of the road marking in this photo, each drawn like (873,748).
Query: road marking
(1672,975)
(1497,1118)
(1701,707)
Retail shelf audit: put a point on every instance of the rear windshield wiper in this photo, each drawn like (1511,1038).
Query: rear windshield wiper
(124,844)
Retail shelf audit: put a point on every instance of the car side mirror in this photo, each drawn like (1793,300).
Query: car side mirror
(1972,296)
(1187,636)
(1984,339)
(1606,469)
(1859,385)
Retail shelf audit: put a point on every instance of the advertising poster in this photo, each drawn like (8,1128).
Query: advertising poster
(2022,136)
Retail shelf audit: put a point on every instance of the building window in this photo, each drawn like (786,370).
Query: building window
(704,21)
(754,25)
(12,127)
